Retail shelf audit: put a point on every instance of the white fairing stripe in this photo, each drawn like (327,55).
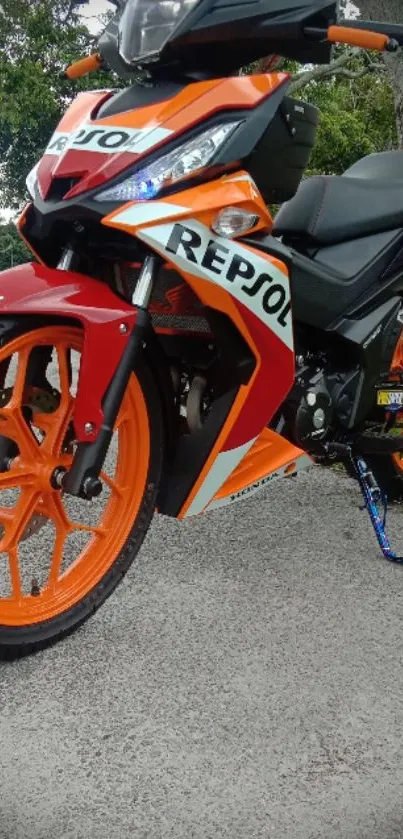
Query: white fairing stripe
(252,279)
(303,462)
(146,211)
(106,139)
(221,469)
(148,139)
(245,179)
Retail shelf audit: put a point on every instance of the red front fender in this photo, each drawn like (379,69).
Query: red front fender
(36,290)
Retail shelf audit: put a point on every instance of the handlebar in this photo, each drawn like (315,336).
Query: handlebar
(84,66)
(360,38)
(349,35)
(364,38)
(392,30)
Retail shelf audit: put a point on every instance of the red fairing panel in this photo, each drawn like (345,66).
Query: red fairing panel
(271,385)
(94,151)
(36,290)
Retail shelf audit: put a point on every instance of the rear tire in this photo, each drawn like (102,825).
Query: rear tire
(114,544)
(388,469)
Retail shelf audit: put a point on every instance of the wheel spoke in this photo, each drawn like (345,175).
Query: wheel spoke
(16,478)
(55,426)
(7,516)
(18,519)
(101,532)
(15,427)
(15,573)
(113,486)
(20,377)
(57,557)
(52,507)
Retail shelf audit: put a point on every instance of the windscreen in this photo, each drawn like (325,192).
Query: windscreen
(146,26)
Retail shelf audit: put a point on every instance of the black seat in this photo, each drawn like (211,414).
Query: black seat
(366,199)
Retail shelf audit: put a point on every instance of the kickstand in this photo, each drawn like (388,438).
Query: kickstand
(374,498)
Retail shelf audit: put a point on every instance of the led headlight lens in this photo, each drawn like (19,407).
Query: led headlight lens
(185,160)
(147,25)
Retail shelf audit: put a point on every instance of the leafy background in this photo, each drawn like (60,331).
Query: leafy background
(359,101)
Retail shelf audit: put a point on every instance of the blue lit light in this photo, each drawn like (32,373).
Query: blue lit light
(147,189)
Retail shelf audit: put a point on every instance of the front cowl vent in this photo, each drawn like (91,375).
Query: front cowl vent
(60,187)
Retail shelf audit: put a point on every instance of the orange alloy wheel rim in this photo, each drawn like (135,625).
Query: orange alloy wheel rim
(30,473)
(397,364)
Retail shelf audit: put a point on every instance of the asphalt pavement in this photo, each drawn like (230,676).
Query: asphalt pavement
(245,681)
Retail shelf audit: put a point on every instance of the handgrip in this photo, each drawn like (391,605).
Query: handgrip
(84,66)
(358,38)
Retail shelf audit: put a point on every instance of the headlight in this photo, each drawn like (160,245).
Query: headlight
(32,179)
(185,160)
(147,25)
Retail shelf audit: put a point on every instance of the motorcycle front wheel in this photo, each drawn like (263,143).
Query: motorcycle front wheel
(61,556)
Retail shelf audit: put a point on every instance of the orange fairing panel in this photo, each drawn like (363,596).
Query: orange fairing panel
(250,287)
(94,151)
(270,457)
(201,100)
(203,201)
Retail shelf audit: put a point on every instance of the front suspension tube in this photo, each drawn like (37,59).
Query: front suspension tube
(83,478)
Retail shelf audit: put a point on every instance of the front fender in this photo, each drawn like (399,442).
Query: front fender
(36,290)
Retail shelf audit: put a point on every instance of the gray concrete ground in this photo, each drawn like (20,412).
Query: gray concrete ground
(245,681)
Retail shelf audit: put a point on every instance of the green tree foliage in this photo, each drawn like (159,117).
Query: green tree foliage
(357,117)
(12,249)
(356,101)
(38,38)
(389,10)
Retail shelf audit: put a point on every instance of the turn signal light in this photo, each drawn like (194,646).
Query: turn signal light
(233,221)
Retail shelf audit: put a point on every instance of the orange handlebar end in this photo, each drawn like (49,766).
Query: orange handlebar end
(83,67)
(358,38)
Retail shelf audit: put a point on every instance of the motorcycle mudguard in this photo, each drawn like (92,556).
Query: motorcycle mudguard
(36,290)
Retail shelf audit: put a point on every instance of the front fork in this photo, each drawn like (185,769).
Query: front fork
(82,479)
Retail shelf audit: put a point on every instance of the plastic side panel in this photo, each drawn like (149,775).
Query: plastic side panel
(203,201)
(253,290)
(270,457)
(97,150)
(203,99)
(36,290)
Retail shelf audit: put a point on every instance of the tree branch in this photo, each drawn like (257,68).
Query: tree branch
(338,67)
(322,71)
(270,64)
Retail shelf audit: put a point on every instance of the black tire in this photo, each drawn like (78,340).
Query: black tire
(16,642)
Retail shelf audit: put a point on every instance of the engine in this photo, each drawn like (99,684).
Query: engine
(306,416)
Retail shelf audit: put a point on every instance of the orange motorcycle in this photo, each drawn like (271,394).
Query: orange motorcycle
(171,348)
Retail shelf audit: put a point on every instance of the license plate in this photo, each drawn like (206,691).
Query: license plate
(389,398)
